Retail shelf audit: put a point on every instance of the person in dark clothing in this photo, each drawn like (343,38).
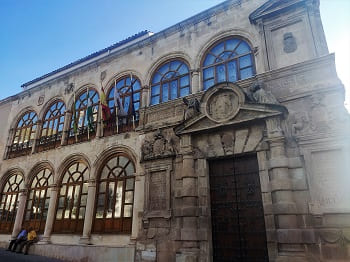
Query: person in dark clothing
(21,237)
(31,239)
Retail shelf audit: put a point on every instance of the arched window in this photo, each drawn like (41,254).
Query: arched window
(9,203)
(72,198)
(82,125)
(38,201)
(170,81)
(24,135)
(52,128)
(129,93)
(228,61)
(115,196)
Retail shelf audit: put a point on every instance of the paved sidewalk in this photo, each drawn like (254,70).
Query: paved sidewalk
(8,256)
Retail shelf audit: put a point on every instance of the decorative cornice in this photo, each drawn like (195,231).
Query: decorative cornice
(273,7)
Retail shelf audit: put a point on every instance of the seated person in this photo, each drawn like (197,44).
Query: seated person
(21,237)
(31,239)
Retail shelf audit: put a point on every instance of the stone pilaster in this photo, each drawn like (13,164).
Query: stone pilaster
(189,196)
(263,47)
(195,81)
(39,126)
(288,236)
(89,214)
(317,28)
(66,126)
(20,213)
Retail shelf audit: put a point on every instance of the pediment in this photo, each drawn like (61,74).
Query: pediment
(225,106)
(273,7)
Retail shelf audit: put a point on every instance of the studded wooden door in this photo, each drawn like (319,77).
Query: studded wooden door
(238,227)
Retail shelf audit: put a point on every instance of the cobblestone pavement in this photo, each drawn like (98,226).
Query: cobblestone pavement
(7,256)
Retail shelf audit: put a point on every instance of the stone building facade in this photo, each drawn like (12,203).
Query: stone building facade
(230,143)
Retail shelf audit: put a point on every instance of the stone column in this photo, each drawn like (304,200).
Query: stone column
(189,195)
(144,104)
(50,214)
(39,126)
(89,214)
(66,126)
(195,81)
(289,237)
(145,96)
(20,213)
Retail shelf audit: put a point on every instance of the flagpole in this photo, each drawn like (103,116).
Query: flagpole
(87,108)
(132,101)
(101,113)
(75,125)
(116,107)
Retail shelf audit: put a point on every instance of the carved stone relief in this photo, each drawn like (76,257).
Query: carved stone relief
(69,89)
(159,145)
(317,117)
(192,107)
(289,43)
(258,94)
(222,105)
(41,100)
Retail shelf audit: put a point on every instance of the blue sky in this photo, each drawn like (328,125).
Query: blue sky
(39,36)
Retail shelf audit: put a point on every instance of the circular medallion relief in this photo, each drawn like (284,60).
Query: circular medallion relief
(222,105)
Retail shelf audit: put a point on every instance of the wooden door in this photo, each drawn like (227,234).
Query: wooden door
(238,226)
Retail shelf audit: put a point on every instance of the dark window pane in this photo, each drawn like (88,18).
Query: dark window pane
(218,49)
(245,61)
(246,73)
(173,89)
(165,90)
(136,86)
(209,60)
(156,78)
(232,71)
(225,55)
(136,96)
(184,91)
(208,73)
(243,48)
(208,84)
(155,100)
(174,65)
(184,81)
(220,73)
(155,90)
(231,44)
